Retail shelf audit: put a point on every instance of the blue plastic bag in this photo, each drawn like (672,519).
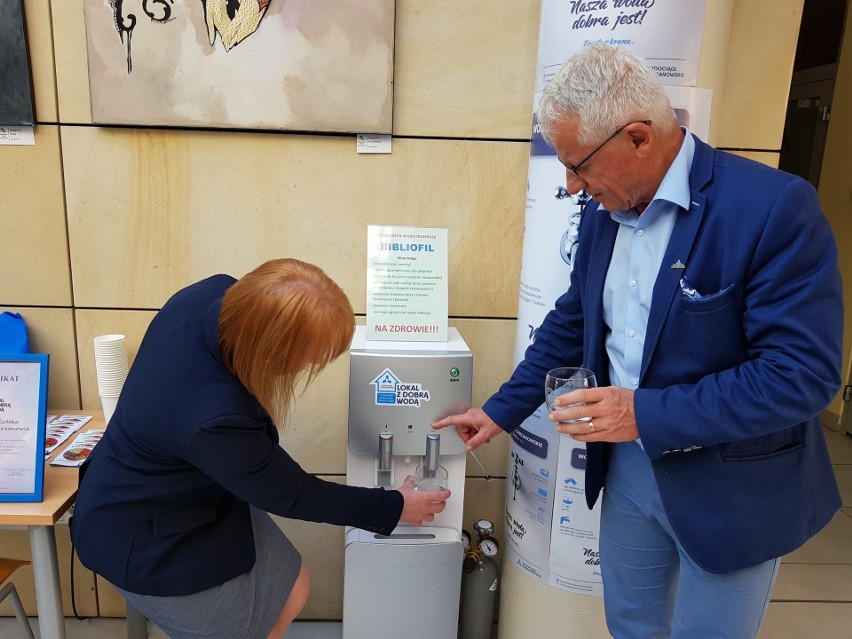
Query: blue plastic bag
(13,333)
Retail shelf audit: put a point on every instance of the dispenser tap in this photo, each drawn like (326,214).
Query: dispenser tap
(385,450)
(433,449)
(384,463)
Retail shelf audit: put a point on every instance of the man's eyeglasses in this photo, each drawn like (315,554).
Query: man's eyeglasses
(574,169)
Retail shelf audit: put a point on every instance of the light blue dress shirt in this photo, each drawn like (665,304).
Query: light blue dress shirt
(640,245)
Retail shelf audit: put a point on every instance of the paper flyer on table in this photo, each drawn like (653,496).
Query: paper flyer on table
(59,429)
(79,450)
(407,284)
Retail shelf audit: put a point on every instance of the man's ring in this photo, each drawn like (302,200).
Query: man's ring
(591,426)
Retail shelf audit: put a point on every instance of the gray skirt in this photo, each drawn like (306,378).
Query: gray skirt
(247,606)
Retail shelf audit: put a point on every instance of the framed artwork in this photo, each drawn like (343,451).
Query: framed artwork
(295,65)
(23,414)
(16,96)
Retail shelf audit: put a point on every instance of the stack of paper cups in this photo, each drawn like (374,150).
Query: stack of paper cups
(111,366)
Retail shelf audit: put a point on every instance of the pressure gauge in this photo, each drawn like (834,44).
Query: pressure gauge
(488,547)
(484,527)
(465,539)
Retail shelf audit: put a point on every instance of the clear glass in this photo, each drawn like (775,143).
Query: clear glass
(438,482)
(564,380)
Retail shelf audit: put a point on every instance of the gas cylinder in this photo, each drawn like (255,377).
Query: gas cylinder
(479,584)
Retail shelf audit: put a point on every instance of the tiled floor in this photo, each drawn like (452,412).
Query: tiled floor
(812,597)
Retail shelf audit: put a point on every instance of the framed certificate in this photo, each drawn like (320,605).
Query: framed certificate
(23,411)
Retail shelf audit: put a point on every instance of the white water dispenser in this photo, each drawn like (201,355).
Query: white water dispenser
(406,585)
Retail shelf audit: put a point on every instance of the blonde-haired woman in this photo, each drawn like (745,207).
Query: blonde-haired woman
(173,507)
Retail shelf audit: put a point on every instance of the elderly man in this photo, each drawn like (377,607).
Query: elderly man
(706,298)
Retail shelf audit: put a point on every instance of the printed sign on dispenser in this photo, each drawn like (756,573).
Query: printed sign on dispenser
(390,391)
(406,284)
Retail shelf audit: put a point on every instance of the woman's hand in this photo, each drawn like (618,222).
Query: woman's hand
(421,505)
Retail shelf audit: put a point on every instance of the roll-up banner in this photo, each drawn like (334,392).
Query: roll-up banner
(550,532)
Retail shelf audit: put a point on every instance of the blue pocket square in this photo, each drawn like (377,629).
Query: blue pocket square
(689,293)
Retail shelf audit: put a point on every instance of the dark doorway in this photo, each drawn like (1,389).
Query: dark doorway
(814,71)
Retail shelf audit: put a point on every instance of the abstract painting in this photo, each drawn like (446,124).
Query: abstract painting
(16,98)
(295,65)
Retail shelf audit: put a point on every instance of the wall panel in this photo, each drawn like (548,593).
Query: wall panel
(151,211)
(761,50)
(465,69)
(40,44)
(72,66)
(32,202)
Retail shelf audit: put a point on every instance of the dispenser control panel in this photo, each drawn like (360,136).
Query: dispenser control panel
(403,393)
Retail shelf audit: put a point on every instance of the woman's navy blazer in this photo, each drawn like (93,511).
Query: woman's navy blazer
(163,508)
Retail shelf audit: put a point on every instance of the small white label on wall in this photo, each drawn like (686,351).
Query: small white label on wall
(373,143)
(17,136)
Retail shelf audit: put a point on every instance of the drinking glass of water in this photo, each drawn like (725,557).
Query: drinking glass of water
(564,380)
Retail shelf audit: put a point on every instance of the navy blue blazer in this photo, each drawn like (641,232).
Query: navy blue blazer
(163,506)
(731,385)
